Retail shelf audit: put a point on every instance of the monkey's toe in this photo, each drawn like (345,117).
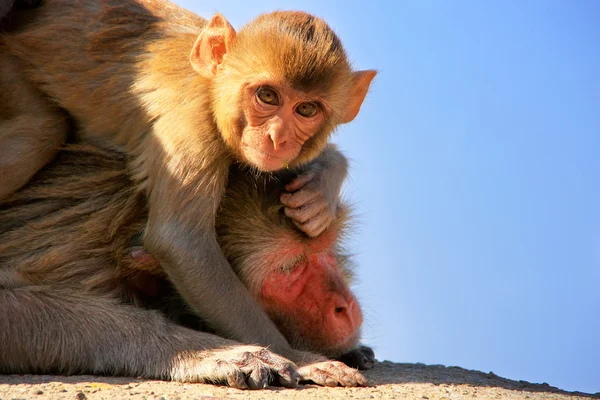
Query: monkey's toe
(249,367)
(332,373)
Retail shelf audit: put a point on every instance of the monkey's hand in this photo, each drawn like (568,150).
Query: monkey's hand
(332,373)
(362,357)
(313,196)
(310,203)
(241,367)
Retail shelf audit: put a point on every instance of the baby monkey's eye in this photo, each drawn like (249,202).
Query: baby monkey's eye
(306,109)
(267,96)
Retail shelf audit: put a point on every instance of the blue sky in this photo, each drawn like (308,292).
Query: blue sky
(476,176)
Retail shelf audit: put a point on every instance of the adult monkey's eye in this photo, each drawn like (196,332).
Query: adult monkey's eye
(306,109)
(267,96)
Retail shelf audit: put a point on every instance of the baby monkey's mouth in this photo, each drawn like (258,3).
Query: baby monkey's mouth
(263,160)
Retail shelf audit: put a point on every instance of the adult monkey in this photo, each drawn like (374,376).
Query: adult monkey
(72,299)
(268,96)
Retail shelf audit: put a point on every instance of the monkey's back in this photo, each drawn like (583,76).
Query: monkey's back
(72,225)
(83,52)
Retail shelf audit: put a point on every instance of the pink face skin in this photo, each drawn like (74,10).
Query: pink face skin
(316,303)
(311,301)
(278,122)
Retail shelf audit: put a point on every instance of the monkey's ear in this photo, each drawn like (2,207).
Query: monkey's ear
(212,44)
(360,86)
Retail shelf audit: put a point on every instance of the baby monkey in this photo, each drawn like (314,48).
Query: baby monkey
(184,98)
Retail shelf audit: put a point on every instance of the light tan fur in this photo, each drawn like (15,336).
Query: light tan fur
(122,70)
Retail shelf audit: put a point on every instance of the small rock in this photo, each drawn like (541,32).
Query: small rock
(81,396)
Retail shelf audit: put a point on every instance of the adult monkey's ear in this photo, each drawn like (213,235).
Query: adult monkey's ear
(212,45)
(360,86)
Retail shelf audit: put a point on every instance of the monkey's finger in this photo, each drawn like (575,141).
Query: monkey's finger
(280,367)
(306,213)
(288,380)
(322,378)
(236,379)
(299,198)
(360,379)
(311,232)
(314,227)
(299,181)
(287,375)
(348,379)
(347,376)
(258,378)
(332,373)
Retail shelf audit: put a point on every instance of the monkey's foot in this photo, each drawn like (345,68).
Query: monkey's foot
(332,373)
(243,367)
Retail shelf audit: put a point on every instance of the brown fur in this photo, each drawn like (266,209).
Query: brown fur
(65,255)
(30,126)
(122,70)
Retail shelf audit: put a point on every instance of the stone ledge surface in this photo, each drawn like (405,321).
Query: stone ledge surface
(388,381)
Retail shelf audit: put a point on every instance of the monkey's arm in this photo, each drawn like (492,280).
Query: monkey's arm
(31,127)
(181,235)
(313,196)
(47,331)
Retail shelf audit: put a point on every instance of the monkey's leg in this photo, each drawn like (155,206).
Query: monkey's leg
(27,143)
(46,331)
(31,128)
